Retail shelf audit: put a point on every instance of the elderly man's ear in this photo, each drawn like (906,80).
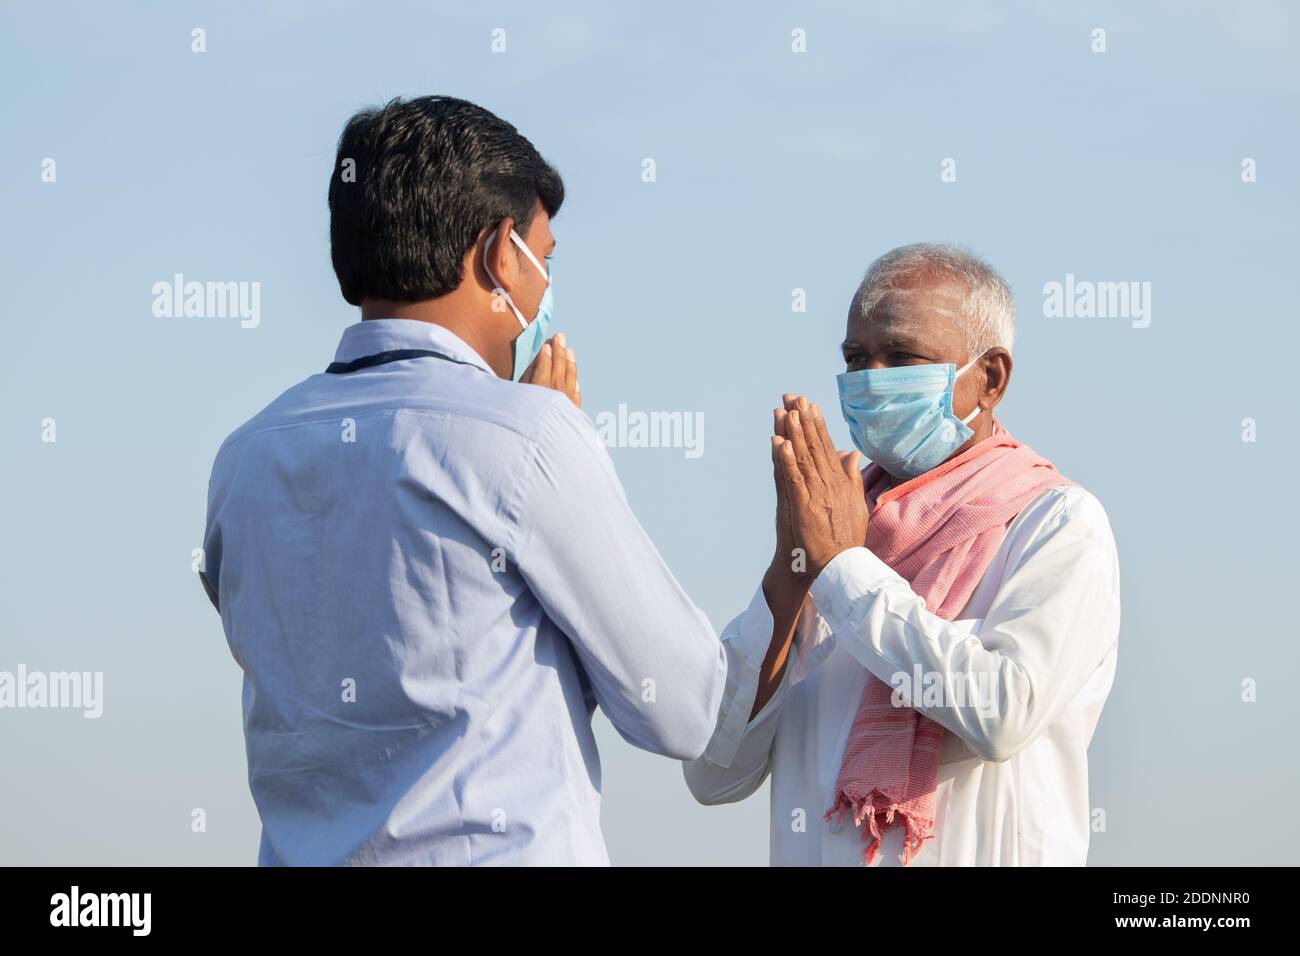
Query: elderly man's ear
(996,365)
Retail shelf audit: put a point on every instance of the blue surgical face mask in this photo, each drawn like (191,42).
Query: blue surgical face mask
(534,335)
(901,418)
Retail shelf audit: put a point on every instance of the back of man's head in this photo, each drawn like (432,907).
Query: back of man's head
(415,182)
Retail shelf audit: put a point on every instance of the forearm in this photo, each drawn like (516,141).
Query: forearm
(785,594)
(652,659)
(737,759)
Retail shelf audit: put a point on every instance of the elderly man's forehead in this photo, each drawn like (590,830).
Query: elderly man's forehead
(924,308)
(915,295)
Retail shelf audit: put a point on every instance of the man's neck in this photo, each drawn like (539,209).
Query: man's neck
(448,311)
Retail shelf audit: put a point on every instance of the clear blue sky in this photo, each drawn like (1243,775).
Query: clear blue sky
(775,171)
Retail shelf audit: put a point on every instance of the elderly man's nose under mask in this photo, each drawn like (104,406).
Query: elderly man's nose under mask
(901,418)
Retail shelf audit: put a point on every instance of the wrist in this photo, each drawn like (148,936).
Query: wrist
(785,587)
(826,560)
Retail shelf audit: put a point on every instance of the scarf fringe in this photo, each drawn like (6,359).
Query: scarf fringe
(879,813)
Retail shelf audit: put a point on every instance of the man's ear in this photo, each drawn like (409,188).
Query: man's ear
(499,256)
(997,375)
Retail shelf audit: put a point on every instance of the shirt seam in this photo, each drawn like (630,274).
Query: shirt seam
(545,421)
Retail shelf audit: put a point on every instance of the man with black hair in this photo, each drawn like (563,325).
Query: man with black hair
(423,560)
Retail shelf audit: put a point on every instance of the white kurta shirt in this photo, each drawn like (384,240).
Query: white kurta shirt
(1038,638)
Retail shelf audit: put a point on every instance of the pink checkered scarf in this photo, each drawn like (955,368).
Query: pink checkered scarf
(939,531)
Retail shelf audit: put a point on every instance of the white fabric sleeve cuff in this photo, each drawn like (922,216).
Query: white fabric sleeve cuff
(746,640)
(853,573)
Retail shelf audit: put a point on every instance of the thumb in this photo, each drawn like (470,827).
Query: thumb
(852,466)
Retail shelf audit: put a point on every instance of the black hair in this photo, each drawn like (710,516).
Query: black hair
(414,184)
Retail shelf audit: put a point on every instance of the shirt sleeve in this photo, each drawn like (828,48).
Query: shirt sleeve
(738,758)
(1052,622)
(654,662)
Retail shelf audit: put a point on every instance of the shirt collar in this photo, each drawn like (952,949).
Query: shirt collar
(372,336)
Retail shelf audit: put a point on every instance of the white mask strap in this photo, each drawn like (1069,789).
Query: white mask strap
(531,258)
(967,366)
(976,411)
(529,253)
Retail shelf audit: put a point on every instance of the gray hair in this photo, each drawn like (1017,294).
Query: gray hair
(988,316)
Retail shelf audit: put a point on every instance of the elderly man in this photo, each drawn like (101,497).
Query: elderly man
(937,633)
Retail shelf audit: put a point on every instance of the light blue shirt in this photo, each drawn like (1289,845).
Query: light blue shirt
(431,577)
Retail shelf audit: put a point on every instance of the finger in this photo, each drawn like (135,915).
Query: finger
(800,404)
(778,422)
(784,529)
(577,393)
(560,359)
(820,447)
(856,490)
(827,442)
(796,488)
(556,344)
(571,373)
(559,365)
(790,401)
(778,474)
(539,373)
(799,449)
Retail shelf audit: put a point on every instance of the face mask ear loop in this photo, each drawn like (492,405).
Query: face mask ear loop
(964,368)
(531,258)
(523,323)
